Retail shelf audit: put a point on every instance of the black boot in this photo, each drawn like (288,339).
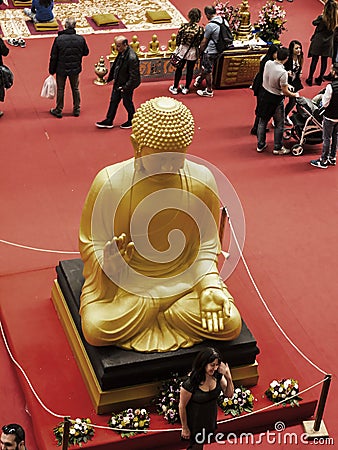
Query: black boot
(308,81)
(319,80)
(328,77)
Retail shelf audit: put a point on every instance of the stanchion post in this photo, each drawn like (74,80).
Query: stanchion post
(316,428)
(65,437)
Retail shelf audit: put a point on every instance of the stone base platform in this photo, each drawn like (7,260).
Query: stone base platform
(116,378)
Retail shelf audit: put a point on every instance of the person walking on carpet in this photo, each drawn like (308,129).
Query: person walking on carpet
(275,87)
(125,72)
(330,123)
(66,62)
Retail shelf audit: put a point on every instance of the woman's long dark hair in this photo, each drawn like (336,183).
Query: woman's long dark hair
(194,15)
(300,57)
(330,14)
(269,54)
(204,357)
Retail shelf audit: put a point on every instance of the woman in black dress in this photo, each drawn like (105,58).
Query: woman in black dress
(322,40)
(198,397)
(294,68)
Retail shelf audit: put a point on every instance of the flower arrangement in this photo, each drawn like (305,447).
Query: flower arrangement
(80,432)
(137,421)
(168,399)
(271,21)
(230,13)
(242,401)
(285,391)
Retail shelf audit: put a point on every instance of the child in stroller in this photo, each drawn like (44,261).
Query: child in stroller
(307,123)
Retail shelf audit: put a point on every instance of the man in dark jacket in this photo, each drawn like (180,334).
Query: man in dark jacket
(4,50)
(66,61)
(125,72)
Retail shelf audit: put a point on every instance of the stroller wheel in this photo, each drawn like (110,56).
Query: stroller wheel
(287,134)
(297,150)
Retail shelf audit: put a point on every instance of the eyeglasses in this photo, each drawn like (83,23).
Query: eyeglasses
(14,429)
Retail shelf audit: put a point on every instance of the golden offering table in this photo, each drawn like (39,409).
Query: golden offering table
(237,66)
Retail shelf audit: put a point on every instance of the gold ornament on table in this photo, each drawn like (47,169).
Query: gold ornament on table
(113,53)
(154,48)
(135,45)
(172,44)
(101,71)
(244,30)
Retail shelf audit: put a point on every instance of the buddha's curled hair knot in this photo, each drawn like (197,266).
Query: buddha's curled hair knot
(164,124)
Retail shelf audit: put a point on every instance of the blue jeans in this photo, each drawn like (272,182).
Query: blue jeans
(116,97)
(278,118)
(330,138)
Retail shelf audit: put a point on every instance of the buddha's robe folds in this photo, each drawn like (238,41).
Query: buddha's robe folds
(152,304)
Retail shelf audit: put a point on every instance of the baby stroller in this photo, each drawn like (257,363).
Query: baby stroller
(307,123)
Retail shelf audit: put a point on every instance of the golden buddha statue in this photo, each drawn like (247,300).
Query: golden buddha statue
(245,28)
(154,48)
(149,242)
(172,44)
(113,52)
(135,45)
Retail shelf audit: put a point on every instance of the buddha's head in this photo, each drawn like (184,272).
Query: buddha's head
(163,126)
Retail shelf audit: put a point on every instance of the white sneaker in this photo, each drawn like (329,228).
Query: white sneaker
(173,90)
(184,90)
(197,81)
(205,93)
(288,121)
(282,151)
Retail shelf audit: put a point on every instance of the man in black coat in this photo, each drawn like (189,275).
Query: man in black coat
(66,61)
(125,72)
(4,50)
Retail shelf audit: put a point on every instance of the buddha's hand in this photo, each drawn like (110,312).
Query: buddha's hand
(112,252)
(215,307)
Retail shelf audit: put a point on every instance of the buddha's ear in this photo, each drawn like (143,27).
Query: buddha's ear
(136,146)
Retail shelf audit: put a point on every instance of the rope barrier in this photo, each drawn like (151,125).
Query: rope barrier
(62,416)
(13,244)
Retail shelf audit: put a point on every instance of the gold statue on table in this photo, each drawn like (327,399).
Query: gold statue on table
(135,45)
(172,44)
(149,242)
(244,30)
(113,52)
(154,48)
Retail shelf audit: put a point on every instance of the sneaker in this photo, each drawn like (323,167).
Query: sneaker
(104,124)
(281,151)
(76,112)
(22,43)
(184,90)
(173,90)
(205,93)
(126,125)
(56,113)
(319,163)
(331,161)
(13,41)
(261,149)
(198,81)
(288,121)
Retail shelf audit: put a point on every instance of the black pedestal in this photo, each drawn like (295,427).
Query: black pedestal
(117,368)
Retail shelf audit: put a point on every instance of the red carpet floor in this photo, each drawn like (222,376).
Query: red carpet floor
(47,167)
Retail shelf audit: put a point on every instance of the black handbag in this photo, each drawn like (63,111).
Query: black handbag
(176,60)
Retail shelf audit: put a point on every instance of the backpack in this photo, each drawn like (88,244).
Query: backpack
(7,77)
(225,37)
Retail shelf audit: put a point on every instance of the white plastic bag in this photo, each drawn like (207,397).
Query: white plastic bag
(49,87)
